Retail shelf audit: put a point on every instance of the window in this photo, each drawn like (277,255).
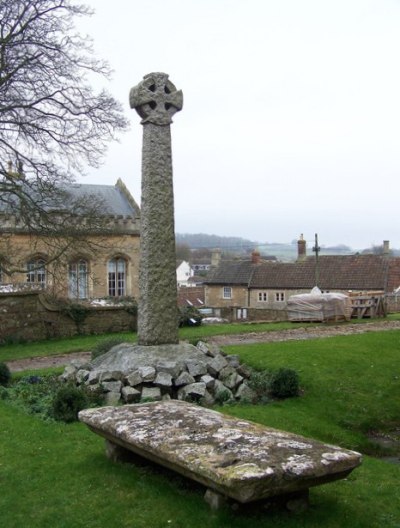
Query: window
(36,271)
(241,313)
(263,296)
(227,293)
(78,280)
(280,296)
(116,277)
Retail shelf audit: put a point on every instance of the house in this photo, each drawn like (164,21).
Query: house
(184,273)
(255,289)
(102,264)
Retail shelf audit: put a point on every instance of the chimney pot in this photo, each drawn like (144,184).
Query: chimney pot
(301,248)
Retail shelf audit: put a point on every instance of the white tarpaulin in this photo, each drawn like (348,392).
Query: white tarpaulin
(317,306)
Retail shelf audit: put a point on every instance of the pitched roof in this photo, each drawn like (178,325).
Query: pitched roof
(340,272)
(115,200)
(231,272)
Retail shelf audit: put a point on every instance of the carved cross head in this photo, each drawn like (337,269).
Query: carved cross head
(156,99)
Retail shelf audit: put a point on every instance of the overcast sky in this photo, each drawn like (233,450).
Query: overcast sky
(291,116)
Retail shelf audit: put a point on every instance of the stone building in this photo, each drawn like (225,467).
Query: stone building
(105,263)
(258,290)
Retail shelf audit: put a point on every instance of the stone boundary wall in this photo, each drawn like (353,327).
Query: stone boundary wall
(28,316)
(392,302)
(254,314)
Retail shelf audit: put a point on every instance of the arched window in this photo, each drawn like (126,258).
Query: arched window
(78,279)
(36,271)
(116,277)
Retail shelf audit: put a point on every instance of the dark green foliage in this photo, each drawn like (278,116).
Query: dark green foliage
(104,346)
(77,312)
(189,316)
(260,383)
(67,402)
(5,375)
(285,383)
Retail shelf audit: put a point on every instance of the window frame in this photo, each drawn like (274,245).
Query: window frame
(262,296)
(227,292)
(280,296)
(36,272)
(116,279)
(80,281)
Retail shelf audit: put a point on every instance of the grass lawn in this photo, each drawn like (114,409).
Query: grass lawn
(56,475)
(52,347)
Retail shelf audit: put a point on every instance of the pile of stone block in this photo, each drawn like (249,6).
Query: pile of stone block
(207,376)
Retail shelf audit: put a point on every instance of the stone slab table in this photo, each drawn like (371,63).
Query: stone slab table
(232,457)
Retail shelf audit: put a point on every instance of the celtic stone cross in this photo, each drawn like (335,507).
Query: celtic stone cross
(156,100)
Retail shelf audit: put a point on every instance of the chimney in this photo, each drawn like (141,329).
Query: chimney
(255,257)
(386,249)
(215,257)
(301,249)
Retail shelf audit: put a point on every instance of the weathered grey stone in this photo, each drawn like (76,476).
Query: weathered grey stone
(171,367)
(233,360)
(244,370)
(148,374)
(203,347)
(156,99)
(128,358)
(231,456)
(163,380)
(151,393)
(245,393)
(130,395)
(215,500)
(93,378)
(184,379)
(213,350)
(221,393)
(68,374)
(208,380)
(113,375)
(112,398)
(196,368)
(230,378)
(165,397)
(111,386)
(134,378)
(81,376)
(194,390)
(216,364)
(80,364)
(207,400)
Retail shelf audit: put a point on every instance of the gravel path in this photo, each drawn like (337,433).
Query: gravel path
(308,332)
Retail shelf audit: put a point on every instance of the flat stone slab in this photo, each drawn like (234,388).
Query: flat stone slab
(127,357)
(236,458)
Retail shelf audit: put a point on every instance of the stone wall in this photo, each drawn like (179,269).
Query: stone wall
(28,316)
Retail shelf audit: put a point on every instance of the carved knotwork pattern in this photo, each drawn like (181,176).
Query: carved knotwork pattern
(156,99)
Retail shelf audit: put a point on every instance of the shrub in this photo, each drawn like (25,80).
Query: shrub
(5,375)
(104,346)
(189,316)
(285,383)
(260,383)
(67,402)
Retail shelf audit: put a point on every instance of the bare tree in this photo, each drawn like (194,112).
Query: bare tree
(52,122)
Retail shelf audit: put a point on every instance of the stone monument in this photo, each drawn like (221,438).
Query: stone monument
(156,100)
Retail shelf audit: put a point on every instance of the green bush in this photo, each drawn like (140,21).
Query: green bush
(189,316)
(260,383)
(104,346)
(5,375)
(284,383)
(67,402)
